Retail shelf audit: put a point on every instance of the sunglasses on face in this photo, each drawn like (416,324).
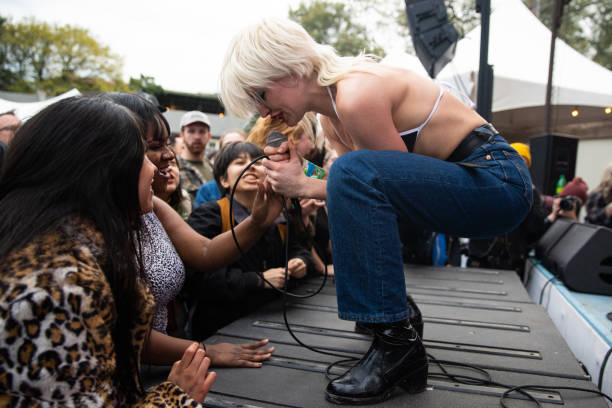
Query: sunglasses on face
(260,96)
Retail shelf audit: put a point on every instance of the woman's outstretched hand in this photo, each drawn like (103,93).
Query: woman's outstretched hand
(266,207)
(239,355)
(191,373)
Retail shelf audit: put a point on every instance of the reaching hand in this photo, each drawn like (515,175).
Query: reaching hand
(285,175)
(310,204)
(239,355)
(276,277)
(330,270)
(297,268)
(266,206)
(190,373)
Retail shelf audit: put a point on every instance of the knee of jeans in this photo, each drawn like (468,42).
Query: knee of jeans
(345,169)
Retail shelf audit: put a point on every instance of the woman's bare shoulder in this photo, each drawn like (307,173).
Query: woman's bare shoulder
(361,92)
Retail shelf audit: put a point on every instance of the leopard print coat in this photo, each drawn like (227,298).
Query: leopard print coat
(56,317)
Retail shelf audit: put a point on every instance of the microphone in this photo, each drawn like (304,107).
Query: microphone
(276,138)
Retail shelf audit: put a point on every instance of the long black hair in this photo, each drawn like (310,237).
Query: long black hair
(82,156)
(227,155)
(145,110)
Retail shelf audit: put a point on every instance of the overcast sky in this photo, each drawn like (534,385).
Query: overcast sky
(181,43)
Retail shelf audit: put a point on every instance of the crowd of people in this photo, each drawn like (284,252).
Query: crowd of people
(115,241)
(101,264)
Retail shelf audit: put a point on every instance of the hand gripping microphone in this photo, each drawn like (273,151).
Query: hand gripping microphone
(275,139)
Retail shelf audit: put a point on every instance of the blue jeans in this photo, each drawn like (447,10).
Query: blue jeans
(369,192)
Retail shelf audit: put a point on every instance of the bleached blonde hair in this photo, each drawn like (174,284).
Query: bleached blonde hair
(263,126)
(274,49)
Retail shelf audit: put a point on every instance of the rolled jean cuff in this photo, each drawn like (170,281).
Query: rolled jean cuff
(375,318)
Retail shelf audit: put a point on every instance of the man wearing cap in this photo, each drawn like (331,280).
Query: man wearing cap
(195,167)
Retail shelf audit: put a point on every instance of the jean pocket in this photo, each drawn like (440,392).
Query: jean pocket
(520,169)
(472,165)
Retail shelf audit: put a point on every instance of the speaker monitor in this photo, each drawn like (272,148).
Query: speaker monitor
(551,237)
(434,38)
(580,254)
(551,156)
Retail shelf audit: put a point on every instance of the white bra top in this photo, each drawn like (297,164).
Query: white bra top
(408,136)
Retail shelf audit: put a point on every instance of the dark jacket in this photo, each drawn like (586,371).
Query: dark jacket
(596,210)
(231,292)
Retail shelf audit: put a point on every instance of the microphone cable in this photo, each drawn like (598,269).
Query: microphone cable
(521,389)
(285,292)
(286,214)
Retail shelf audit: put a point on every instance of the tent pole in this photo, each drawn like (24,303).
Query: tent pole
(484,95)
(556,23)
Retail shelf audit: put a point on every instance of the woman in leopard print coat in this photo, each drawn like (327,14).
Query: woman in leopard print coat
(74,307)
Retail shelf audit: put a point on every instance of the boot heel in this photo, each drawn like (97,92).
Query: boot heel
(419,328)
(417,382)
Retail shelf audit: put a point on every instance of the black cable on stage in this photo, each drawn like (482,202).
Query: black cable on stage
(330,366)
(602,369)
(548,282)
(441,363)
(329,353)
(545,388)
(285,291)
(464,379)
(522,389)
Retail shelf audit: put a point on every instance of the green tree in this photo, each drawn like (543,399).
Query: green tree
(37,56)
(387,21)
(586,26)
(602,34)
(7,76)
(68,80)
(145,84)
(332,23)
(78,52)
(460,13)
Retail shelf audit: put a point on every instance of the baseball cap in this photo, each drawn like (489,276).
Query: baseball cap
(193,117)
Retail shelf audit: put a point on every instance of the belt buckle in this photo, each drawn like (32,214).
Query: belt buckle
(487,129)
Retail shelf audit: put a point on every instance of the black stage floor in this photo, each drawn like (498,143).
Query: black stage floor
(479,317)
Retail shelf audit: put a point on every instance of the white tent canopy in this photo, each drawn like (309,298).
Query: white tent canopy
(25,110)
(519,46)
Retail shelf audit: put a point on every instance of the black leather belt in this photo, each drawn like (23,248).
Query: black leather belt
(473,141)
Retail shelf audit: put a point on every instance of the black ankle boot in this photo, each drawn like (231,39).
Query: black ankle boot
(416,319)
(396,357)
